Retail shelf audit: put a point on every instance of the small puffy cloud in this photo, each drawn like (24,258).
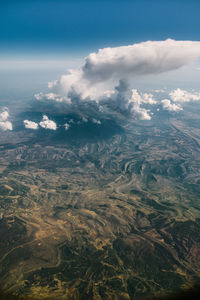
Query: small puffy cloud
(167,105)
(180,95)
(30,124)
(48,124)
(4,115)
(5,124)
(66,125)
(159,91)
(84,119)
(95,121)
(39,96)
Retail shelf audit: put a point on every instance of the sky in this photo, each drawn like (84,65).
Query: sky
(41,39)
(68,28)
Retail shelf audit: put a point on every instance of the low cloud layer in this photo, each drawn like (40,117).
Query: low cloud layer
(5,124)
(126,101)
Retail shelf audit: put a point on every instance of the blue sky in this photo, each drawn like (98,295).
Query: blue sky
(41,39)
(44,28)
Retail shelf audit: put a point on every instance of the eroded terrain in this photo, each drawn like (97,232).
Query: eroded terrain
(115,218)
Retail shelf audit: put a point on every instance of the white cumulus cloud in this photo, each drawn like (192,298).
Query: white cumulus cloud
(111,64)
(66,125)
(48,124)
(159,91)
(84,119)
(104,76)
(130,100)
(180,95)
(52,96)
(4,115)
(140,112)
(5,124)
(167,105)
(30,124)
(95,121)
(149,57)
(142,97)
